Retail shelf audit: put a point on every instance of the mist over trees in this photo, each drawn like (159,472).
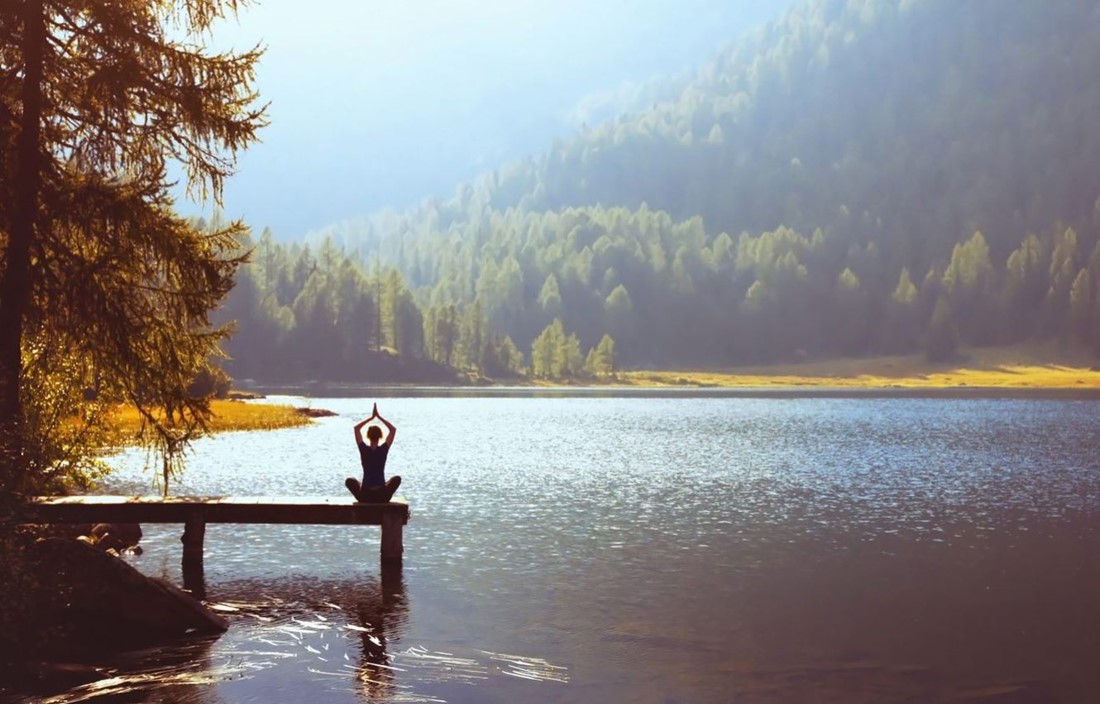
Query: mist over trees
(862,177)
(381,105)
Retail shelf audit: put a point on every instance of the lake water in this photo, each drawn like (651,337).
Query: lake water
(680,548)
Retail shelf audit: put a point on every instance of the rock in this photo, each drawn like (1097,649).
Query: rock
(315,412)
(100,601)
(237,395)
(122,537)
(117,536)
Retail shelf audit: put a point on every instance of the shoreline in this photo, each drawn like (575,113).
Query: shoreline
(1014,371)
(627,391)
(229,415)
(1020,377)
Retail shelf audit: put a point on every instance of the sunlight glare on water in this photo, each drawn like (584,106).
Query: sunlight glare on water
(681,548)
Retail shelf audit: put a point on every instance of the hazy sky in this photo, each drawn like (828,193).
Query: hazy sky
(376,104)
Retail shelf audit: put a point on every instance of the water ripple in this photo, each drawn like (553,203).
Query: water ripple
(665,549)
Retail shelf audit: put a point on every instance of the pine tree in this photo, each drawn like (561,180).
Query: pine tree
(550,296)
(1080,306)
(95,267)
(601,358)
(542,354)
(943,337)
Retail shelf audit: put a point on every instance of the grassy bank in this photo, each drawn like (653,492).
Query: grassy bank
(1017,367)
(228,416)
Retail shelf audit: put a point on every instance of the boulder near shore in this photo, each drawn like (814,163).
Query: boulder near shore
(100,602)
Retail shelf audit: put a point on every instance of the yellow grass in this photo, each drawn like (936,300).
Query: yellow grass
(228,416)
(1019,367)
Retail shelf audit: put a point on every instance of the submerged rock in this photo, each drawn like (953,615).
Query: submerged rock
(98,600)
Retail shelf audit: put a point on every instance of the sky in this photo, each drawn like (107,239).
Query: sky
(384,104)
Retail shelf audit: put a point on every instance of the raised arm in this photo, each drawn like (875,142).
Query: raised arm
(389,426)
(359,430)
(359,426)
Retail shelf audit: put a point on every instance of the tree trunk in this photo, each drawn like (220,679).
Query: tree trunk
(15,279)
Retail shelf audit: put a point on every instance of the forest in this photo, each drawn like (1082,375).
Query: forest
(861,177)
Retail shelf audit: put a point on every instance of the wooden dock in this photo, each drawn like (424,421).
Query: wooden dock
(194,512)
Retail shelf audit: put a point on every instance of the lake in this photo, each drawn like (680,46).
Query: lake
(682,547)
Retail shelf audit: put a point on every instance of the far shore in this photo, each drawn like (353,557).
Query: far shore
(1020,368)
(994,368)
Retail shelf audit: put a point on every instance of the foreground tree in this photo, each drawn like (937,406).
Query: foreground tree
(104,291)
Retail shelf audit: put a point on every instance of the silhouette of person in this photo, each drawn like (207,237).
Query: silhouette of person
(374,487)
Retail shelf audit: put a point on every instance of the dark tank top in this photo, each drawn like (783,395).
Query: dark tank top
(373,460)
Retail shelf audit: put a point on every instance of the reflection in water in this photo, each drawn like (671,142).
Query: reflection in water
(776,550)
(293,636)
(174,674)
(339,631)
(380,610)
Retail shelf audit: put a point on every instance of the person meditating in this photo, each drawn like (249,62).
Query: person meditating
(375,488)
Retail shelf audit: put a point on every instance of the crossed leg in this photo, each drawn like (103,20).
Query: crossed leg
(373,494)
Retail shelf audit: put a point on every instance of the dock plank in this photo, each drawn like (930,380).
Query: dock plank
(317,510)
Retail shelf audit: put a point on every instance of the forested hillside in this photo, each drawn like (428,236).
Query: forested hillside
(861,177)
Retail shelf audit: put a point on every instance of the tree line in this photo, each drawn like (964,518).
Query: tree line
(909,123)
(585,291)
(303,315)
(813,191)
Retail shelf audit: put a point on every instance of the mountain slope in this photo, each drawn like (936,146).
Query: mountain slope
(861,177)
(909,123)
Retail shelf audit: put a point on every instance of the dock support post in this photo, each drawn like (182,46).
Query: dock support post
(392,539)
(194,531)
